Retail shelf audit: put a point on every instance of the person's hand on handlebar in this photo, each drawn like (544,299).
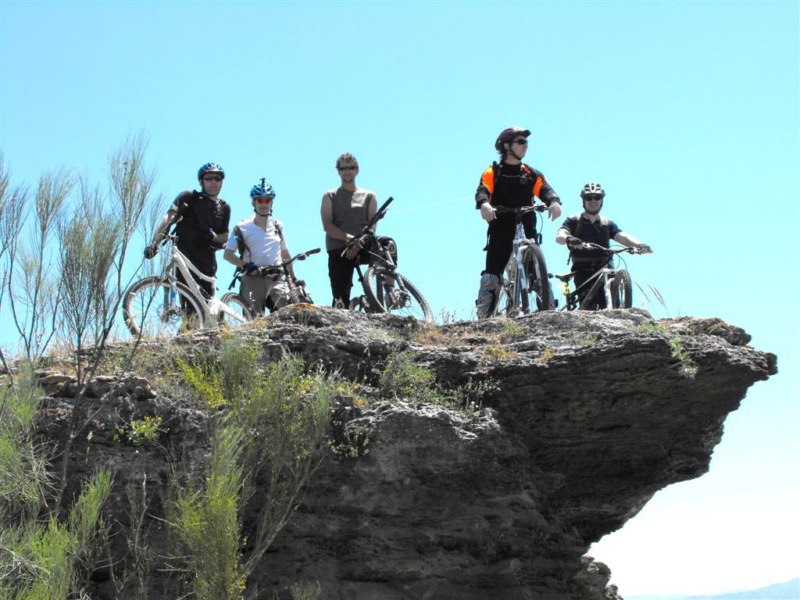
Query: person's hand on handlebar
(574,243)
(488,212)
(554,210)
(249,268)
(643,249)
(355,248)
(150,251)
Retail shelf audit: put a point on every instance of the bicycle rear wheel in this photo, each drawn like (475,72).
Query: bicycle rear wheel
(539,295)
(236,303)
(622,290)
(154,308)
(391,292)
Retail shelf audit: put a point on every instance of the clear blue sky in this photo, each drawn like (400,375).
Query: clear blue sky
(687,113)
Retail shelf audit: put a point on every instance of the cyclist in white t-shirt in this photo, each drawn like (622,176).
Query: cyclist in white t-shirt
(259,242)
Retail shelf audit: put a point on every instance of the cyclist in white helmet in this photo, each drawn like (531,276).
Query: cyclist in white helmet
(589,226)
(259,242)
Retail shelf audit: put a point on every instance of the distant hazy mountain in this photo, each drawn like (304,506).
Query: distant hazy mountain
(780,591)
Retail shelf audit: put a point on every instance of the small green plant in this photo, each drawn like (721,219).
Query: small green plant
(512,329)
(353,443)
(686,364)
(206,382)
(547,354)
(402,378)
(659,328)
(140,431)
(493,352)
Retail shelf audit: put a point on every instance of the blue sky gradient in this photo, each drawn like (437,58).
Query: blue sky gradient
(686,112)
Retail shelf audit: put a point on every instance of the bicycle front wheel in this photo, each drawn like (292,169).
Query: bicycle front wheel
(539,295)
(154,308)
(238,305)
(622,290)
(391,292)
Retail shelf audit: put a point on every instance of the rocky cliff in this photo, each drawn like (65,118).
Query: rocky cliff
(570,423)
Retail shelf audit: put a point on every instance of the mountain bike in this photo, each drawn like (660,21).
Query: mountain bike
(526,287)
(614,284)
(385,290)
(163,306)
(297,291)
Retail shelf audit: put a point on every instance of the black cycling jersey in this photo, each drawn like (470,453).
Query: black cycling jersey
(197,214)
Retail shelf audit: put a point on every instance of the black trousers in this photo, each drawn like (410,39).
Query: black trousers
(500,243)
(340,272)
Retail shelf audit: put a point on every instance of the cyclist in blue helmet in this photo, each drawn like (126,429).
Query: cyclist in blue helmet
(202,219)
(259,242)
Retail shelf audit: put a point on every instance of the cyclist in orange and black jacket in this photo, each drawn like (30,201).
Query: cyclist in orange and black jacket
(514,184)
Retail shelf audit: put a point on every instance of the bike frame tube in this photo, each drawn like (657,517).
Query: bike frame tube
(601,278)
(211,306)
(520,279)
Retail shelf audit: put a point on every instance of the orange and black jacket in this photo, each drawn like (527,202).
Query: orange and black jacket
(513,186)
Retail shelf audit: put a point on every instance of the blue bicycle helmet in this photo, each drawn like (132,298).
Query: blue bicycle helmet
(210,167)
(262,190)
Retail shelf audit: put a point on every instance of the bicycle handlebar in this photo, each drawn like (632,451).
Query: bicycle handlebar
(278,269)
(643,249)
(367,230)
(522,210)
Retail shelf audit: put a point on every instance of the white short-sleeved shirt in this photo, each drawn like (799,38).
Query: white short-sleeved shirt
(262,246)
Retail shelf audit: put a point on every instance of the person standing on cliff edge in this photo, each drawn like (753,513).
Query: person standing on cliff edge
(514,184)
(345,211)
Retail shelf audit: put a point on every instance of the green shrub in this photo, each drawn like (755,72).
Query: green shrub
(273,430)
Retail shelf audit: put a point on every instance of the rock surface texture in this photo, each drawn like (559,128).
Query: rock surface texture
(576,420)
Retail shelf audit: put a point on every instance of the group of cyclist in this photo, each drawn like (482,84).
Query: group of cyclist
(513,184)
(202,227)
(202,221)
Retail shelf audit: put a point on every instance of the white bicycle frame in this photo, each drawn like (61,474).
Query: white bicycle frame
(212,307)
(516,270)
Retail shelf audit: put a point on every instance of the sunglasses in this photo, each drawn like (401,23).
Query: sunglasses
(263,200)
(217,178)
(593,198)
(348,168)
(521,142)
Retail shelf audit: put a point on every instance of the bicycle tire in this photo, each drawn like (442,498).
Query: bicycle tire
(144,312)
(385,297)
(622,290)
(235,302)
(539,295)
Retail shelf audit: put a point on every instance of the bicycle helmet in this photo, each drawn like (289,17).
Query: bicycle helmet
(508,135)
(210,167)
(593,189)
(262,190)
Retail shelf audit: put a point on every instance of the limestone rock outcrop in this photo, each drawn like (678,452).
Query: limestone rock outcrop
(573,422)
